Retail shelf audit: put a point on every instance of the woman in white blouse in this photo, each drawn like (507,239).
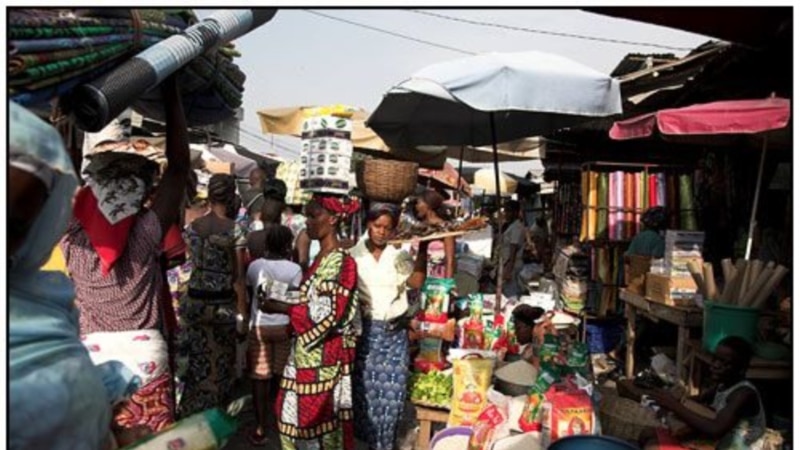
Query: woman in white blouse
(384,274)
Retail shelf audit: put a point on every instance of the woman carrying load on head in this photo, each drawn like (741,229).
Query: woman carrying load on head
(112,248)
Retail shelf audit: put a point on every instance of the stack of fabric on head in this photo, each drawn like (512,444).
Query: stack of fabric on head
(52,51)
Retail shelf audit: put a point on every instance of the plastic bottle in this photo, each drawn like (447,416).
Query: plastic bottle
(208,430)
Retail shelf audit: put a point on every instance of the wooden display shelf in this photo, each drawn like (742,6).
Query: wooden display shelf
(426,417)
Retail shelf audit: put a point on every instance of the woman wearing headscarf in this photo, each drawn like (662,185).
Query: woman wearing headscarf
(216,295)
(57,398)
(112,247)
(315,401)
(442,254)
(384,274)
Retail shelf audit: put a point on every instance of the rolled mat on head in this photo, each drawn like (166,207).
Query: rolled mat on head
(602,206)
(95,104)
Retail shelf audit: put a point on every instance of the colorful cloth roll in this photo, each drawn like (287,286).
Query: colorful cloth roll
(652,192)
(584,205)
(630,203)
(592,227)
(612,206)
(688,219)
(620,193)
(602,206)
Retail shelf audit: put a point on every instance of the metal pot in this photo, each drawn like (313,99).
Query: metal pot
(509,388)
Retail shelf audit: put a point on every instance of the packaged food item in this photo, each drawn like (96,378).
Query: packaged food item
(569,413)
(578,359)
(421,330)
(531,418)
(495,335)
(476,307)
(549,349)
(472,335)
(471,380)
(435,299)
(208,430)
(511,336)
(430,355)
(489,419)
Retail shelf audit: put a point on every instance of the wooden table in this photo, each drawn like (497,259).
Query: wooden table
(426,417)
(685,318)
(760,369)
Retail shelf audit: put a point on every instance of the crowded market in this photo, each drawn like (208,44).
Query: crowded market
(393,285)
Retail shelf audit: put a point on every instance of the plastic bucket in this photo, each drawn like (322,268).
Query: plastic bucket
(590,443)
(721,321)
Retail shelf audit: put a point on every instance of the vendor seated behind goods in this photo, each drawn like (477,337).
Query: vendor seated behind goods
(740,422)
(525,318)
(650,241)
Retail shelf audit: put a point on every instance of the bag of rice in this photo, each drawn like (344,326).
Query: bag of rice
(567,412)
(471,380)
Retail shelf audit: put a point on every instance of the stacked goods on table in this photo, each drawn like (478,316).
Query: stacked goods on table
(327,150)
(572,272)
(432,324)
(52,51)
(669,280)
(557,402)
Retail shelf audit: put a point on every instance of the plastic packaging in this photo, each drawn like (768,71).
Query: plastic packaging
(531,418)
(471,380)
(208,430)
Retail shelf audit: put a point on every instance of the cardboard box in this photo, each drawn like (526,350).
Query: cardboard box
(636,268)
(662,289)
(219,167)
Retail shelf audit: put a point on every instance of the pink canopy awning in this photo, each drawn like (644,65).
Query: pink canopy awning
(726,117)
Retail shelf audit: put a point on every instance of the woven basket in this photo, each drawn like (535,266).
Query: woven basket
(625,419)
(388,181)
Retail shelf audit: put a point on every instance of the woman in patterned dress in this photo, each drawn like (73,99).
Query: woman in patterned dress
(382,365)
(314,406)
(216,294)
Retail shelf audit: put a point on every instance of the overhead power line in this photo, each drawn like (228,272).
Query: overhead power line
(550,33)
(391,33)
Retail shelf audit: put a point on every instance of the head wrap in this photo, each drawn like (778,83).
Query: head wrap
(116,189)
(341,207)
(655,218)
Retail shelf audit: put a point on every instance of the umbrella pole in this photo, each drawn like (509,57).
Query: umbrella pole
(458,185)
(755,200)
(500,274)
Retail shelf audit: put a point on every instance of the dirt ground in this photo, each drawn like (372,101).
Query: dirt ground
(407,433)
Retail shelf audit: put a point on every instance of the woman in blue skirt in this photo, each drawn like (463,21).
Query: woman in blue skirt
(384,274)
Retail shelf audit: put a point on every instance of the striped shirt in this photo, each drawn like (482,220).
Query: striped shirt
(127,298)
